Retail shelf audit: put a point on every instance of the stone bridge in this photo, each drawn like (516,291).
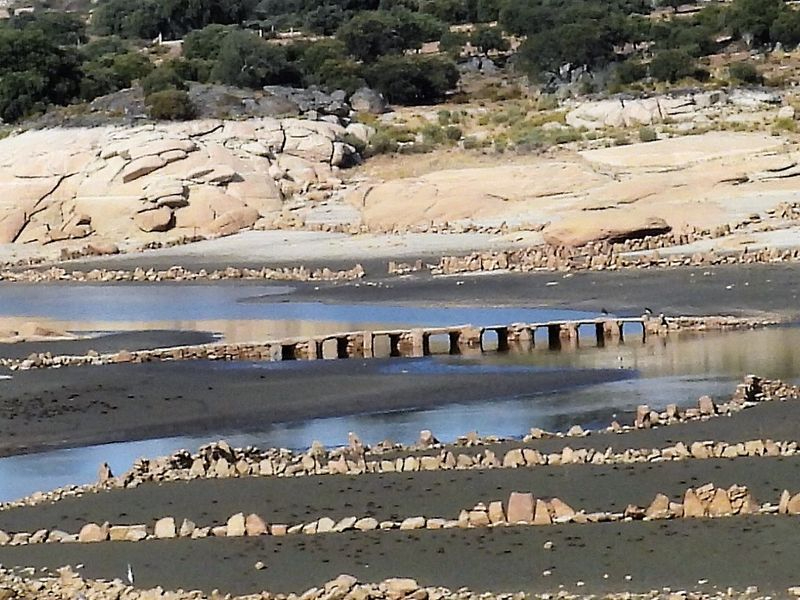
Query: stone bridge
(414,342)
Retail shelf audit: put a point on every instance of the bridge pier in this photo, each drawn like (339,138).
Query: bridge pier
(369,344)
(612,329)
(411,343)
(570,332)
(599,333)
(520,337)
(469,338)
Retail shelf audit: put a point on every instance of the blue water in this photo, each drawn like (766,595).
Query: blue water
(677,369)
(592,407)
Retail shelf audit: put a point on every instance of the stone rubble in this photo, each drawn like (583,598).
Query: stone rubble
(66,584)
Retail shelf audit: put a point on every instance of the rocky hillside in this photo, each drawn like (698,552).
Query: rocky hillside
(206,177)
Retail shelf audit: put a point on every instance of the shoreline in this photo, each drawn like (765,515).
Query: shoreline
(330,389)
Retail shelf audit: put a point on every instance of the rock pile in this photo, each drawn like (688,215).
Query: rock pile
(178,273)
(67,584)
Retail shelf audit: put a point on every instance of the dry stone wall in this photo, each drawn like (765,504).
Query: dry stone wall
(220,460)
(521,508)
(178,273)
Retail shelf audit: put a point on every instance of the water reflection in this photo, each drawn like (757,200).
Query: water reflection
(240,313)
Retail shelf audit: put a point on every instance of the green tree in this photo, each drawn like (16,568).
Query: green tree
(487,39)
(164,77)
(372,34)
(205,43)
(412,79)
(64,29)
(754,18)
(34,72)
(245,60)
(672,65)
(744,72)
(786,28)
(453,42)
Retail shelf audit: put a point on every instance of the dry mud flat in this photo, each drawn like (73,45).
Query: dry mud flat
(691,553)
(736,552)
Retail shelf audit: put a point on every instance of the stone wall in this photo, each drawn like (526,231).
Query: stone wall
(178,273)
(220,460)
(521,508)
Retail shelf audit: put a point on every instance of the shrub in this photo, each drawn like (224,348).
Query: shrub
(744,72)
(162,78)
(647,134)
(453,133)
(672,65)
(172,105)
(412,80)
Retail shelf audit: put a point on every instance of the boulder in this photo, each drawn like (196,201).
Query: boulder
(159,219)
(367,100)
(720,505)
(141,167)
(561,510)
(612,225)
(165,528)
(793,505)
(232,221)
(542,514)
(361,132)
(235,527)
(520,508)
(659,508)
(706,405)
(254,525)
(692,505)
(92,532)
(496,514)
(426,439)
(397,587)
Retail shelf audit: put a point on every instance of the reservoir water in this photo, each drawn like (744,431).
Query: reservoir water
(675,369)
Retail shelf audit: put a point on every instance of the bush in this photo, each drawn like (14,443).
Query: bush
(744,72)
(453,133)
(647,134)
(162,78)
(672,65)
(629,71)
(171,105)
(412,80)
(784,124)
